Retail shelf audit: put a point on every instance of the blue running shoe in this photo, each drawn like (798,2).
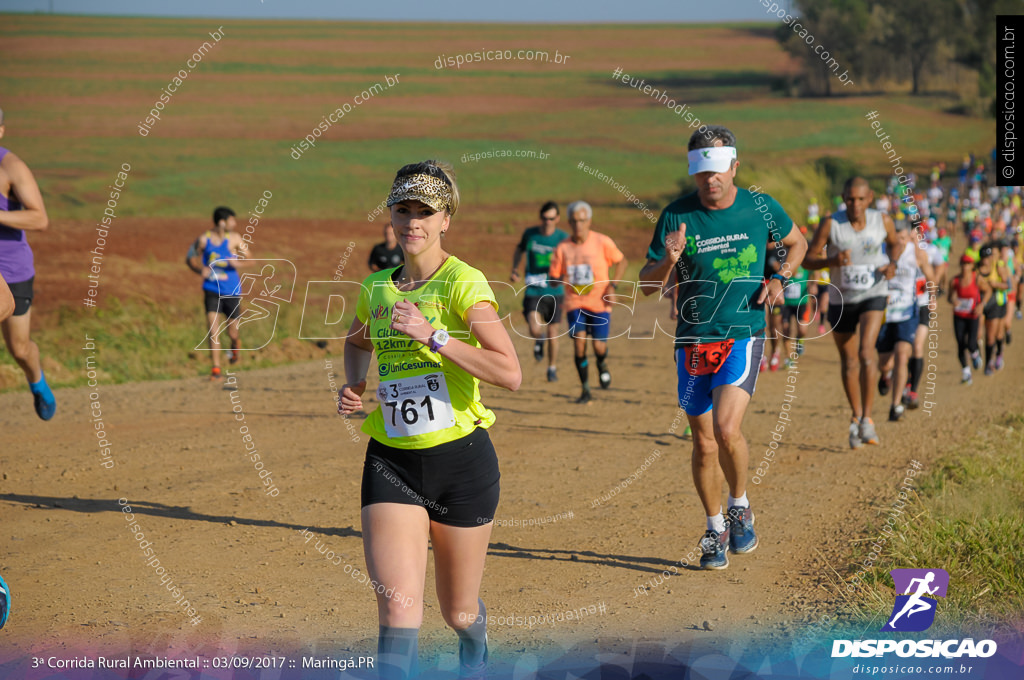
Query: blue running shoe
(45,402)
(477,672)
(713,548)
(5,601)
(742,538)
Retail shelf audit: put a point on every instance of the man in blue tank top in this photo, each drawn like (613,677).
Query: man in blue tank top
(22,211)
(214,256)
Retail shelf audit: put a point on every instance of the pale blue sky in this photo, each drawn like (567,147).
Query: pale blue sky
(527,11)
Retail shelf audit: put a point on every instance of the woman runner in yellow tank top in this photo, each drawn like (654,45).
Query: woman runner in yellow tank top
(994,270)
(431,473)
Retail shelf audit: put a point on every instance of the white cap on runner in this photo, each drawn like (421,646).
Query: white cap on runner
(711,159)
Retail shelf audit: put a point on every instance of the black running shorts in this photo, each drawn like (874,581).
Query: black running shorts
(22,292)
(456,482)
(228,305)
(845,317)
(548,306)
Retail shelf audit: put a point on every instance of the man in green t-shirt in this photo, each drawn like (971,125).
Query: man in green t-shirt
(715,239)
(542,299)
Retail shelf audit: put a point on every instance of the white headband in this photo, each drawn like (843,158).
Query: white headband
(711,159)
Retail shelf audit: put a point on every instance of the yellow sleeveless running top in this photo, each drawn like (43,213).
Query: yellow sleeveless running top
(424,399)
(993,277)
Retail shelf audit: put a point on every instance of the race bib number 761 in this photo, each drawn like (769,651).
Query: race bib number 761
(416,405)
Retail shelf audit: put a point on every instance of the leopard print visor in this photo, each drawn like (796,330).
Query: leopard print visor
(429,190)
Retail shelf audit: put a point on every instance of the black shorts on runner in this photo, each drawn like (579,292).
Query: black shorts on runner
(549,307)
(845,317)
(994,311)
(923,315)
(789,311)
(228,305)
(455,482)
(22,292)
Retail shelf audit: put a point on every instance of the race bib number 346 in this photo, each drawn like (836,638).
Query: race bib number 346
(858,277)
(417,405)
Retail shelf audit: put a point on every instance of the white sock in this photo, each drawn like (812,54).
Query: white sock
(716,523)
(740,502)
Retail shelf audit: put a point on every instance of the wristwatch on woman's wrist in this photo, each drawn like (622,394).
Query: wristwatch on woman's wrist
(438,339)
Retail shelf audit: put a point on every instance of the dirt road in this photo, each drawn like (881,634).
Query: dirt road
(238,555)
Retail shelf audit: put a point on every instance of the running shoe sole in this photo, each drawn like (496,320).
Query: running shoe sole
(606,380)
(44,409)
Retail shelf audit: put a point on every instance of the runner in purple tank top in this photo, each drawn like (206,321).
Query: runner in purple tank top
(21,211)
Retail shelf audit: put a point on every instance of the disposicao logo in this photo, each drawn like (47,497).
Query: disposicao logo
(913,612)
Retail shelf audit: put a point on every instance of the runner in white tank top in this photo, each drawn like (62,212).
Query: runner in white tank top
(862,277)
(901,318)
(854,237)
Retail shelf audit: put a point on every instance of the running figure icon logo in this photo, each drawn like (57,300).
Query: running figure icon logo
(914,611)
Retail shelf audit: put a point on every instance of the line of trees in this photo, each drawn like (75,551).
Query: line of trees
(882,40)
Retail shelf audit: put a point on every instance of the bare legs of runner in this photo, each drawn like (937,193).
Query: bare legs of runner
(720,452)
(859,363)
(21,346)
(538,331)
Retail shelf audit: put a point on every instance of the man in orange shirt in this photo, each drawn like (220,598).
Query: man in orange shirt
(583,262)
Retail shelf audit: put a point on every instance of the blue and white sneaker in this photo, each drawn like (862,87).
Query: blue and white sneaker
(5,601)
(742,538)
(713,548)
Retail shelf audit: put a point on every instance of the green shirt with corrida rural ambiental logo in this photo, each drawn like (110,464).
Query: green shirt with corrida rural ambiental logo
(722,265)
